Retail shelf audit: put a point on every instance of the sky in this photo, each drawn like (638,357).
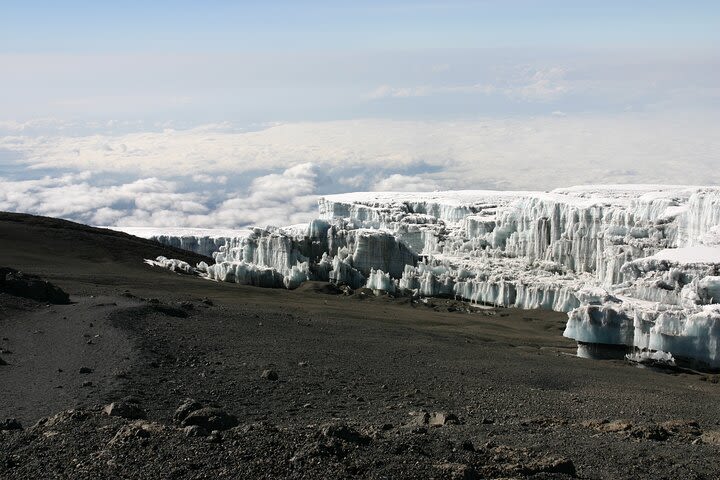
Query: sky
(228,114)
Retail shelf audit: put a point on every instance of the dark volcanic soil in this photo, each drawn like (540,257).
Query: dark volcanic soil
(366,387)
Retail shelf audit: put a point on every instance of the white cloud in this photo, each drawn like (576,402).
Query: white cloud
(284,167)
(386,91)
(405,183)
(277,199)
(541,152)
(519,83)
(204,178)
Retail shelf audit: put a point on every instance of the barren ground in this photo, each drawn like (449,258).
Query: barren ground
(355,377)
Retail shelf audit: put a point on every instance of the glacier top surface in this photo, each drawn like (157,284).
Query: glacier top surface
(150,232)
(581,195)
(688,255)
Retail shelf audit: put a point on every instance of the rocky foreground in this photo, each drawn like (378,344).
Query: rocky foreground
(151,374)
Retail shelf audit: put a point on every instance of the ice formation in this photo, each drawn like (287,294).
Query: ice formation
(633,265)
(204,241)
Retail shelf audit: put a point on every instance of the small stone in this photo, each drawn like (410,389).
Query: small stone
(2,362)
(87,384)
(124,410)
(10,424)
(468,446)
(419,419)
(187,407)
(552,465)
(195,431)
(457,471)
(271,375)
(210,418)
(344,432)
(439,419)
(86,370)
(303,364)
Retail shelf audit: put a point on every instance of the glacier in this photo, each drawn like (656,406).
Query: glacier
(631,265)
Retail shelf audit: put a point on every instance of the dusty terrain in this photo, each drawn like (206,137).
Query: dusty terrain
(311,384)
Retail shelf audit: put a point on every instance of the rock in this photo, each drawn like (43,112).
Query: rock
(682,427)
(187,407)
(439,419)
(468,446)
(712,437)
(344,432)
(10,424)
(128,433)
(124,410)
(87,384)
(650,432)
(551,464)
(457,471)
(419,419)
(210,418)
(20,284)
(187,305)
(195,431)
(2,362)
(85,370)
(214,437)
(269,375)
(607,426)
(61,418)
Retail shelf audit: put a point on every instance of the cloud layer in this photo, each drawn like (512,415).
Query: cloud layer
(217,176)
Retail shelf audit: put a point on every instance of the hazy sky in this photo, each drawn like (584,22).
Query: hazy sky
(231,113)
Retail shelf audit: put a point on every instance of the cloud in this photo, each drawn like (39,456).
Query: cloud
(204,178)
(279,199)
(518,83)
(405,183)
(274,175)
(386,91)
(538,152)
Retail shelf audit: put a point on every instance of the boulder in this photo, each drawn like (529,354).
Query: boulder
(210,418)
(124,410)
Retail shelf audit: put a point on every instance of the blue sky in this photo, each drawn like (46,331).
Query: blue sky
(218,106)
(233,26)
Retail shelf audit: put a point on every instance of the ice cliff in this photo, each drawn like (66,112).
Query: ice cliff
(634,265)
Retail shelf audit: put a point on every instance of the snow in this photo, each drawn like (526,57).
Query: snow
(632,265)
(171,264)
(689,255)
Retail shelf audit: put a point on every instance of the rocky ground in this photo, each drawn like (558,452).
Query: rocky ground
(151,374)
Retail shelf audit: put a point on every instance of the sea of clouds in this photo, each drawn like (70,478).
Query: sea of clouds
(221,175)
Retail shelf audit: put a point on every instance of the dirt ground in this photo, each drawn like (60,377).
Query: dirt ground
(309,384)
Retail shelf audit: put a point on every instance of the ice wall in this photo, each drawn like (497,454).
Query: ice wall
(622,260)
(204,241)
(648,249)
